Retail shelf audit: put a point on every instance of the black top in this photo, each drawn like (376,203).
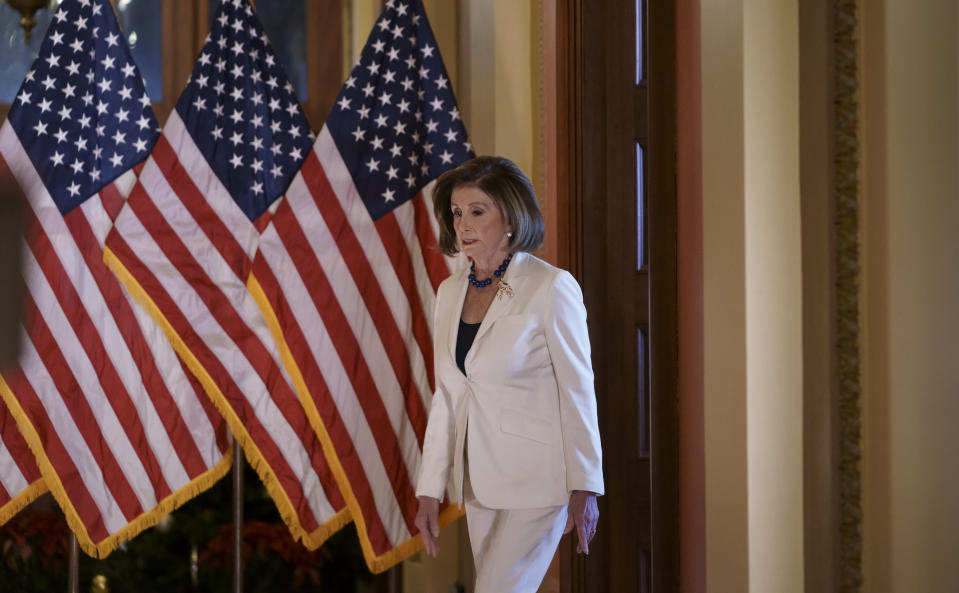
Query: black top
(464,339)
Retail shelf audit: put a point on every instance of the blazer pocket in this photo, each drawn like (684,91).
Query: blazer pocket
(526,426)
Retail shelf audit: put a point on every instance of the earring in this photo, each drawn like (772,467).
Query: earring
(509,235)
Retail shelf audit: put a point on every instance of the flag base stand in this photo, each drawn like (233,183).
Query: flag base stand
(237,517)
(73,579)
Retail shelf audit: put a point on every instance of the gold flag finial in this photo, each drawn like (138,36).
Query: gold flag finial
(28,10)
(100,584)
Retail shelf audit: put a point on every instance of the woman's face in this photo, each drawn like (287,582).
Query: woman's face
(479,225)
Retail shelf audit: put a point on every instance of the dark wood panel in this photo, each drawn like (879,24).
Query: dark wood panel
(591,199)
(663,296)
(324,55)
(637,549)
(561,149)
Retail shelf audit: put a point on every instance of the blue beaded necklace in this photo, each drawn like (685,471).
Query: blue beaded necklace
(496,273)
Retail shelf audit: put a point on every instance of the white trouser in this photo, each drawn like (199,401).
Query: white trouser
(512,548)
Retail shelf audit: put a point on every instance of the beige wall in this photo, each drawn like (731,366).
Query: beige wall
(910,283)
(499,91)
(724,296)
(752,295)
(910,202)
(774,382)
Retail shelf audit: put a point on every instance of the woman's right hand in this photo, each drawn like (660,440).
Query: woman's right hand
(428,522)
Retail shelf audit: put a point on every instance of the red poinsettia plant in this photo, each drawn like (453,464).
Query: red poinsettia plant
(37,535)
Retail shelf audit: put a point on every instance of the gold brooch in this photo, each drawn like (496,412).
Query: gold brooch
(504,289)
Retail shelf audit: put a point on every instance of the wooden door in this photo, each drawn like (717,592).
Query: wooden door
(617,58)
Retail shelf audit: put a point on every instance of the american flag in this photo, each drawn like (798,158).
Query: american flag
(184,244)
(119,429)
(20,479)
(348,268)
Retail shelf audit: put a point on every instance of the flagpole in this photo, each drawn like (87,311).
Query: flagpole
(237,517)
(73,576)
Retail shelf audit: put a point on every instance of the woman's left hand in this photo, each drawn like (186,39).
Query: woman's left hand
(584,515)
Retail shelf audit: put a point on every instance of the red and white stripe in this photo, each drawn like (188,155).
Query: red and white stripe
(20,480)
(354,299)
(120,423)
(187,246)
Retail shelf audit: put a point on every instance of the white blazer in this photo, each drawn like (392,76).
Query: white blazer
(527,398)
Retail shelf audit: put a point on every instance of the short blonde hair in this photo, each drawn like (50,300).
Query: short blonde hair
(507,186)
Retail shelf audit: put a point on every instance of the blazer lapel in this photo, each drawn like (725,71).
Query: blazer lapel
(502,302)
(455,312)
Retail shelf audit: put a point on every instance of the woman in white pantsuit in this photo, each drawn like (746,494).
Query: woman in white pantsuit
(512,431)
